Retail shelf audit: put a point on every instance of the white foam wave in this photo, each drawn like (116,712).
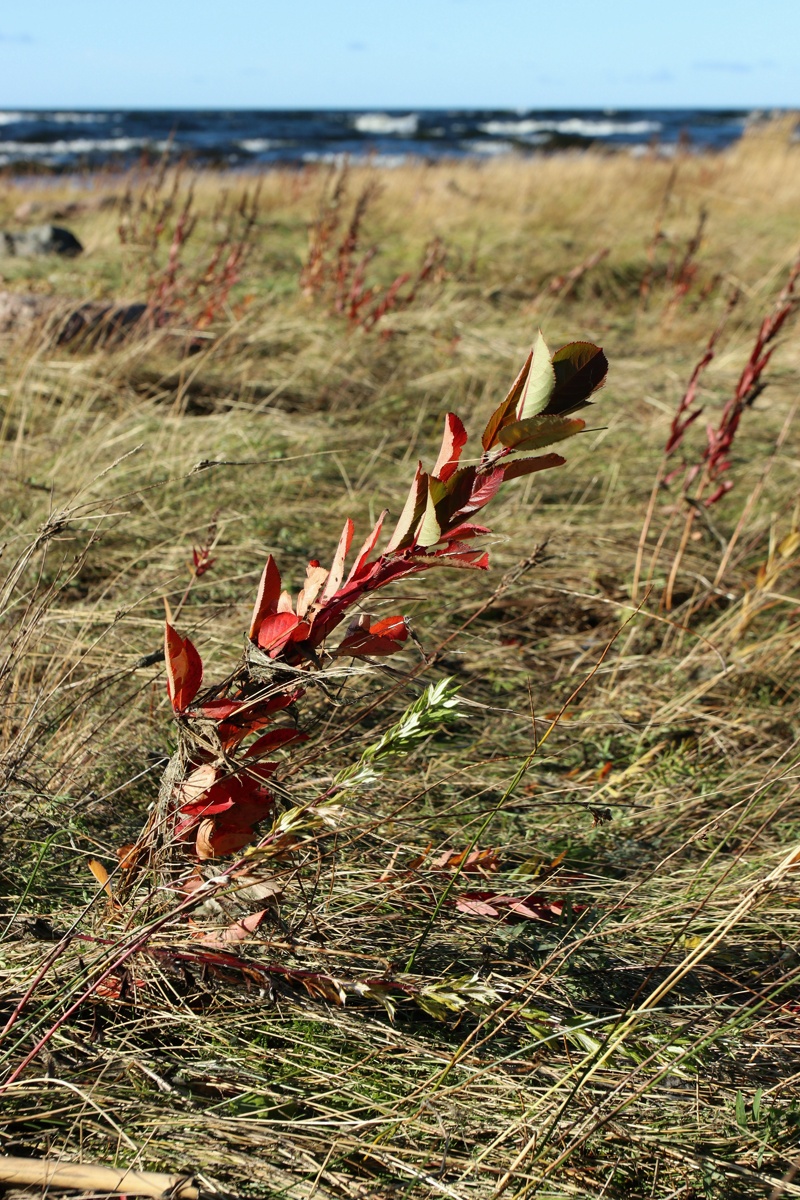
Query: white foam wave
(383,123)
(577,126)
(58,118)
(79,118)
(338,159)
(490,149)
(118,145)
(514,128)
(257,145)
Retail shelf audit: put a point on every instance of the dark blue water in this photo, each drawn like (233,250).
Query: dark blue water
(71,140)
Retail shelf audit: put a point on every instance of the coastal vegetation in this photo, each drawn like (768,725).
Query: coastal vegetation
(512,908)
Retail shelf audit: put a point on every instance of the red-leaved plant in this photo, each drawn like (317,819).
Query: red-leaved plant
(216,790)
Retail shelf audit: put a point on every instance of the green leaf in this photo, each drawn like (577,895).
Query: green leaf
(741,1112)
(414,507)
(451,496)
(581,368)
(540,383)
(536,432)
(429,530)
(504,413)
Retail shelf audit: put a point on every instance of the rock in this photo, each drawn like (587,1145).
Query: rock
(90,326)
(94,325)
(20,313)
(40,240)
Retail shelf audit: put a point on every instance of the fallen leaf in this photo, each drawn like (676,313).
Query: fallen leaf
(101,875)
(476,862)
(240,931)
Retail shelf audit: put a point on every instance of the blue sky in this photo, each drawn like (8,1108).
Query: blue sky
(399,53)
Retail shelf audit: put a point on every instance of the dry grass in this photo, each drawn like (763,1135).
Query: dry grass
(642,1043)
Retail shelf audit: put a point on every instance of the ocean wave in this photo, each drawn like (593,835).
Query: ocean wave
(337,158)
(383,123)
(488,148)
(577,126)
(58,118)
(257,145)
(80,118)
(118,145)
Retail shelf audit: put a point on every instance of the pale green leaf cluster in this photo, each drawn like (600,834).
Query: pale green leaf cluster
(435,707)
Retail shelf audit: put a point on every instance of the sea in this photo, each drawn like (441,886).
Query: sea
(62,141)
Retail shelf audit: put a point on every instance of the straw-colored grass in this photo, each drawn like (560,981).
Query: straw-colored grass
(644,1041)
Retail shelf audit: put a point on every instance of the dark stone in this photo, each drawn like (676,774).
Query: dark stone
(89,326)
(102,325)
(38,241)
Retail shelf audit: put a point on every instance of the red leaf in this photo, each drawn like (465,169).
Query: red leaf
(456,554)
(484,488)
(253,716)
(367,548)
(276,737)
(527,466)
(718,493)
(534,910)
(466,530)
(475,907)
(383,638)
(232,830)
(269,589)
(364,646)
(337,568)
(453,442)
(212,841)
(530,908)
(196,784)
(238,792)
(279,629)
(393,627)
(184,669)
(217,799)
(219,710)
(477,862)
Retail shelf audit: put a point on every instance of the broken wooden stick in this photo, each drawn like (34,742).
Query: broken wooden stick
(41,1172)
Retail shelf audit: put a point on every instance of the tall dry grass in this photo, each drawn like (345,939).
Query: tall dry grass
(641,1038)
